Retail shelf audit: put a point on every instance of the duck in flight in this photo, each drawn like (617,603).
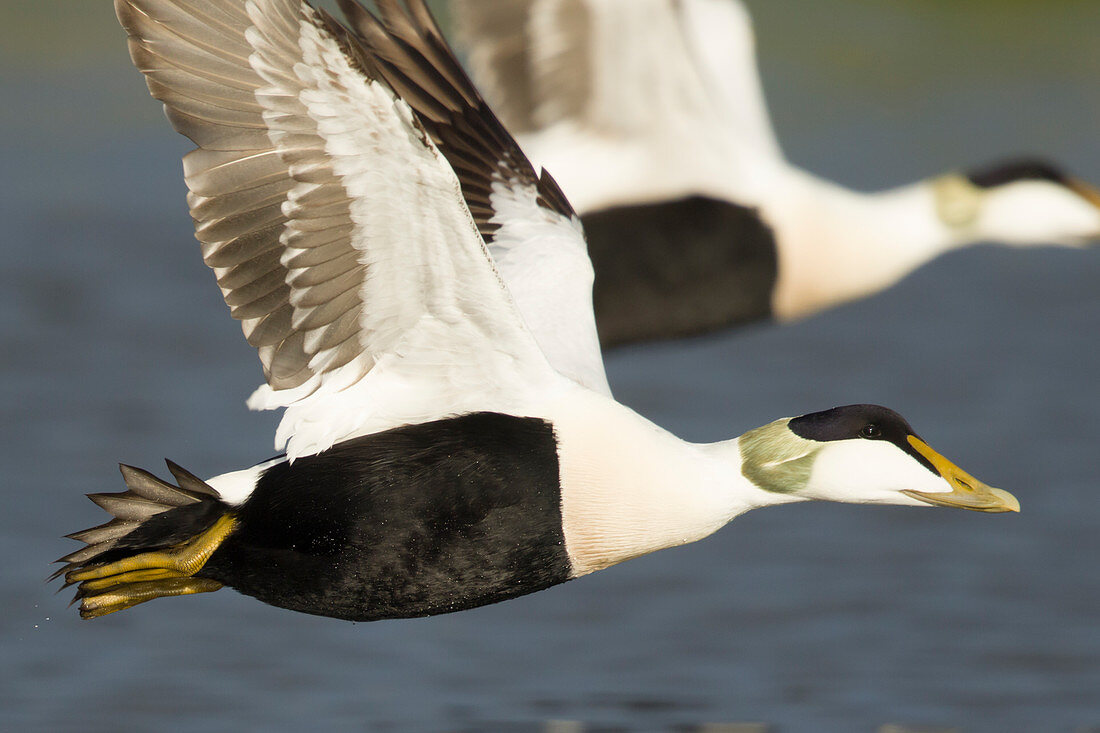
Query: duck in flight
(420,300)
(651,115)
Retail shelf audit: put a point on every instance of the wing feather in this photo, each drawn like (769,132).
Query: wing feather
(532,231)
(532,58)
(337,231)
(611,86)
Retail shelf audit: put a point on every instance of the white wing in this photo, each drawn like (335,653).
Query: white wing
(533,233)
(338,232)
(600,64)
(626,100)
(720,34)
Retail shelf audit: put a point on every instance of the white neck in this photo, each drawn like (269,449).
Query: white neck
(630,488)
(836,244)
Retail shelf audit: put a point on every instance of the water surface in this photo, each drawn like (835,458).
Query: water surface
(814,617)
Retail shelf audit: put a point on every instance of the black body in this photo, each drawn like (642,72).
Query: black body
(1011,171)
(666,270)
(414,521)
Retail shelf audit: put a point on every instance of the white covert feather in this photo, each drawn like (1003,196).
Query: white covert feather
(441,335)
(543,258)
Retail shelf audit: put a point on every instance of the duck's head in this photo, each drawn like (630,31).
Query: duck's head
(1019,202)
(863,454)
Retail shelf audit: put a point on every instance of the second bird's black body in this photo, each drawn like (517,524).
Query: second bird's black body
(721,271)
(413,521)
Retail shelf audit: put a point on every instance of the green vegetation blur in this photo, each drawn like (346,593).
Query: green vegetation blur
(825,63)
(57,34)
(903,39)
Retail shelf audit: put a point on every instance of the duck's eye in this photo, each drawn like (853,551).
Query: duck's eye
(871,431)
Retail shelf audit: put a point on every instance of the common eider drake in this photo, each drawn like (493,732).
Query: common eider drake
(420,301)
(651,115)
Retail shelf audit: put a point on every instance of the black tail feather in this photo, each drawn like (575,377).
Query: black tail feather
(189,483)
(139,521)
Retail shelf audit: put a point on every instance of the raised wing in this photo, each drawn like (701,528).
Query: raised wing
(532,58)
(498,52)
(655,72)
(719,33)
(337,230)
(533,233)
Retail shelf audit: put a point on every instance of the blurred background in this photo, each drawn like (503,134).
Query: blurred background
(117,346)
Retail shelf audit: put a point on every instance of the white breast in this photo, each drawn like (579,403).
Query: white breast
(629,488)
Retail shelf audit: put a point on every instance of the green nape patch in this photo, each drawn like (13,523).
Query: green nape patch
(775,459)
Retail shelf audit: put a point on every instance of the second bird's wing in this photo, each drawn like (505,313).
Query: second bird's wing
(627,101)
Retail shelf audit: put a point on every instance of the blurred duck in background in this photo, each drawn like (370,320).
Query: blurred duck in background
(651,115)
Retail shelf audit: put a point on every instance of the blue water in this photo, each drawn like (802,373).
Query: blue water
(116,346)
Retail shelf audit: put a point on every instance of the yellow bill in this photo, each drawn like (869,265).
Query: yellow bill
(966,492)
(1085,190)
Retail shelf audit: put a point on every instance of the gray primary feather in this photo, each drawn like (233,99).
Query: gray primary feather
(199,62)
(271,211)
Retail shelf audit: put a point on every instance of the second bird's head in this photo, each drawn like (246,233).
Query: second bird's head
(1019,202)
